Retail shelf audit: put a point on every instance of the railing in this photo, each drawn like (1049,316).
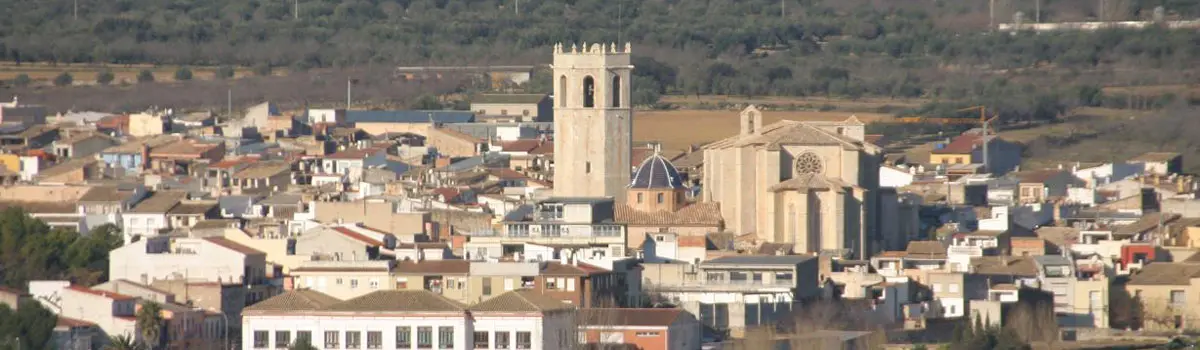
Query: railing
(722,285)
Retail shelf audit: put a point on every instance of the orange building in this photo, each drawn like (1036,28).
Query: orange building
(642,329)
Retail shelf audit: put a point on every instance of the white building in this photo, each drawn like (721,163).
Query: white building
(406,319)
(895,177)
(194,259)
(114,313)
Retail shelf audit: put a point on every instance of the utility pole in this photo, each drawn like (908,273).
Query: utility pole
(782,8)
(517,7)
(75,9)
(229,104)
(992,14)
(296,9)
(1037,11)
(348,94)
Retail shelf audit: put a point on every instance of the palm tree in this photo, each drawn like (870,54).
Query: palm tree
(149,321)
(122,342)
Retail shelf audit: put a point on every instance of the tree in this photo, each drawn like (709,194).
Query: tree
(122,342)
(262,69)
(104,77)
(302,344)
(63,79)
(225,72)
(22,80)
(149,322)
(31,322)
(183,74)
(145,76)
(426,102)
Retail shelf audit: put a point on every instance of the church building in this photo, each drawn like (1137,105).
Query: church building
(656,201)
(809,184)
(593,120)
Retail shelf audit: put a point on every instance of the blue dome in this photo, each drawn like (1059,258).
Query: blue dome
(656,172)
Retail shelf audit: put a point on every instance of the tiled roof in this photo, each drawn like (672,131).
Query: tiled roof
(159,202)
(559,269)
(296,300)
(628,317)
(260,170)
(520,301)
(41,207)
(458,135)
(192,207)
(526,145)
(104,194)
(234,246)
(398,300)
(961,145)
(692,241)
(787,132)
(1161,273)
(433,267)
(358,236)
(760,260)
(656,172)
(703,213)
(73,323)
(508,98)
(357,153)
(1147,222)
(1004,265)
(106,294)
(809,181)
(926,249)
(1037,176)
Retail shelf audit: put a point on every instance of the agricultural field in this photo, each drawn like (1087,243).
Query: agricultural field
(85,74)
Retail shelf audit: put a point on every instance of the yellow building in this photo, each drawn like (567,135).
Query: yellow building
(12,162)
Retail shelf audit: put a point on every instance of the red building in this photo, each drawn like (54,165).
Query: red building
(642,329)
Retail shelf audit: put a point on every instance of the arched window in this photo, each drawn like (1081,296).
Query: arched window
(562,91)
(589,92)
(616,91)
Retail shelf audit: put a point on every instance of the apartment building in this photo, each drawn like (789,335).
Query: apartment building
(735,292)
(407,319)
(345,279)
(555,221)
(114,313)
(214,259)
(475,281)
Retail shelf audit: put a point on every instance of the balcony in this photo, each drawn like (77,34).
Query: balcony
(724,285)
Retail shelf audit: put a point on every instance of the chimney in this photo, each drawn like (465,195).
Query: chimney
(145,156)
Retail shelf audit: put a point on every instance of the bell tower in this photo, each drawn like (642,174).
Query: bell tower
(593,122)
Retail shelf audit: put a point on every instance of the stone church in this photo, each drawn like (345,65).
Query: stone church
(810,184)
(593,121)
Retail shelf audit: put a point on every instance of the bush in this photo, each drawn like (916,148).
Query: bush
(183,74)
(225,72)
(300,66)
(22,80)
(104,77)
(145,76)
(64,79)
(262,69)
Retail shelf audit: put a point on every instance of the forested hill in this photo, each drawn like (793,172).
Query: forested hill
(898,48)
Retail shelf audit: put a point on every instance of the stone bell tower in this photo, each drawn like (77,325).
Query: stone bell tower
(593,122)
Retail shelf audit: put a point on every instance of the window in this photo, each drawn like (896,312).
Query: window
(503,112)
(481,340)
(304,337)
(647,334)
(354,340)
(338,282)
(562,91)
(487,286)
(525,112)
(1178,298)
(587,167)
(374,340)
(424,337)
(404,337)
(283,339)
(524,340)
(616,89)
(374,284)
(589,92)
(445,337)
(660,198)
(331,339)
(502,340)
(260,339)
(639,197)
(1094,301)
(353,283)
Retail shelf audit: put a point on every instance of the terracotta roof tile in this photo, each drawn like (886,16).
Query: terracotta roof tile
(296,300)
(520,301)
(358,236)
(234,246)
(961,145)
(617,318)
(1155,157)
(106,294)
(696,214)
(398,300)
(1161,273)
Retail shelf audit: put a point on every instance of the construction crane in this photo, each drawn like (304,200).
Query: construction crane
(983,123)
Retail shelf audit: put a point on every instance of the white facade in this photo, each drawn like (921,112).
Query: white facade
(29,167)
(894,177)
(192,259)
(112,312)
(143,224)
(554,331)
(325,115)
